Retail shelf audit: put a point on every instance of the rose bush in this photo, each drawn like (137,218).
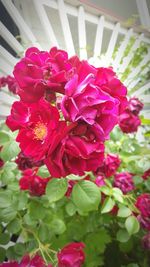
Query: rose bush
(73,185)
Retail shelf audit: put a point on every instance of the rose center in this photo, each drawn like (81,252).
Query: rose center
(40,131)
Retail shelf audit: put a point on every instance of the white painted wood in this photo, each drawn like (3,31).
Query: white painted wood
(145,98)
(4,110)
(128,59)
(138,69)
(7,99)
(66,28)
(138,79)
(47,27)
(7,56)
(121,49)
(82,33)
(112,43)
(99,37)
(143,12)
(5,67)
(143,89)
(13,12)
(10,39)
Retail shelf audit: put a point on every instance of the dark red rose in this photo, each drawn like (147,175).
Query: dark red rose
(146,174)
(36,185)
(143,204)
(146,241)
(71,255)
(25,162)
(110,165)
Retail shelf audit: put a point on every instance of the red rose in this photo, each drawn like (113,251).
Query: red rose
(71,255)
(33,183)
(146,174)
(24,162)
(11,82)
(143,204)
(129,122)
(110,165)
(135,105)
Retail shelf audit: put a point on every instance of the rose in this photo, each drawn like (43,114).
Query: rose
(146,241)
(27,261)
(79,151)
(129,122)
(135,105)
(38,125)
(25,162)
(110,165)
(10,82)
(71,255)
(146,174)
(143,204)
(124,182)
(33,183)
(40,72)
(87,102)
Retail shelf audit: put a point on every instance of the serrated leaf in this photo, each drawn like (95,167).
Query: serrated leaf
(4,138)
(86,196)
(132,225)
(56,189)
(107,205)
(10,151)
(118,195)
(71,209)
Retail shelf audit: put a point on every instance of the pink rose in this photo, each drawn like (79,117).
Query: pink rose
(99,181)
(40,72)
(85,101)
(124,182)
(71,255)
(10,81)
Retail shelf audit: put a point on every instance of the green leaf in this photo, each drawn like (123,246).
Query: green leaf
(123,236)
(4,138)
(124,212)
(106,190)
(107,205)
(58,226)
(43,172)
(22,200)
(14,226)
(10,151)
(5,199)
(4,238)
(7,214)
(56,189)
(44,233)
(132,225)
(36,210)
(86,196)
(71,209)
(118,195)
(2,254)
(20,249)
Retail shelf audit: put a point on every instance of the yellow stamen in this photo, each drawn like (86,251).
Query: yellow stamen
(40,131)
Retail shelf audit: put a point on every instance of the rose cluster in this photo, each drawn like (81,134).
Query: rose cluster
(71,255)
(129,120)
(66,111)
(143,205)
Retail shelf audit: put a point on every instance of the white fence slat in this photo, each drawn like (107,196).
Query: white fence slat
(82,33)
(136,81)
(144,13)
(144,88)
(122,48)
(5,67)
(99,37)
(112,43)
(137,70)
(129,57)
(7,99)
(14,13)
(6,55)
(45,22)
(145,98)
(4,110)
(10,39)
(66,28)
